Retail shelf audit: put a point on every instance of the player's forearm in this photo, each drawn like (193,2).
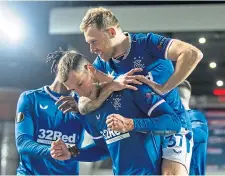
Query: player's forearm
(164,124)
(185,64)
(87,105)
(91,153)
(26,146)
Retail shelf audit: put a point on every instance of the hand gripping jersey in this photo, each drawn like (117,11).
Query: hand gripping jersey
(135,152)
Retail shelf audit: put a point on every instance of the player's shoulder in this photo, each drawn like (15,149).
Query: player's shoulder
(30,93)
(140,37)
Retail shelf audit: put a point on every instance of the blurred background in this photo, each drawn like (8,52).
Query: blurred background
(30,30)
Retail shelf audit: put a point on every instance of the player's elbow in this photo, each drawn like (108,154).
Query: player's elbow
(193,54)
(83,109)
(84,105)
(23,144)
(19,142)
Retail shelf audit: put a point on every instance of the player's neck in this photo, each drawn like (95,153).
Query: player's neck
(58,88)
(122,47)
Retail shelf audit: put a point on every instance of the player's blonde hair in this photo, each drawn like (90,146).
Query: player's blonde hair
(100,17)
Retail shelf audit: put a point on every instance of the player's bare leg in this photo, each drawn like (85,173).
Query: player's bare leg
(173,168)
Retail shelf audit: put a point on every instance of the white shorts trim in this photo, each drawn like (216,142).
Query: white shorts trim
(178,147)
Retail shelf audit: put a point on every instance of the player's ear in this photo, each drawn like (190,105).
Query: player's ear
(111,32)
(91,68)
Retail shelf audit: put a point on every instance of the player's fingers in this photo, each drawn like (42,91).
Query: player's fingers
(110,116)
(110,125)
(53,143)
(55,153)
(136,77)
(109,120)
(73,103)
(134,81)
(56,147)
(145,80)
(56,156)
(131,72)
(60,141)
(62,99)
(64,104)
(131,87)
(67,110)
(119,124)
(118,117)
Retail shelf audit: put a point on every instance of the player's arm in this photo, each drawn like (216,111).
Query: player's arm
(96,151)
(86,105)
(24,131)
(159,118)
(93,152)
(186,56)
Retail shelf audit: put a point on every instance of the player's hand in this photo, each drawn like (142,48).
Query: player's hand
(67,104)
(59,150)
(159,89)
(124,81)
(119,123)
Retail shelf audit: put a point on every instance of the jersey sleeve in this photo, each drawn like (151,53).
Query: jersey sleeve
(91,130)
(157,45)
(24,130)
(94,152)
(159,118)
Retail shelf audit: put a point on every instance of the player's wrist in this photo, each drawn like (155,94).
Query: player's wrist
(111,86)
(73,151)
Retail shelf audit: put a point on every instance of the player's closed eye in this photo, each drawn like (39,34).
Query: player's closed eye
(79,84)
(94,41)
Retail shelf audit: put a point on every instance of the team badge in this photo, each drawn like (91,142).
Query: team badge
(19,117)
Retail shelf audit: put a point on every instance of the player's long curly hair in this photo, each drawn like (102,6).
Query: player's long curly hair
(55,58)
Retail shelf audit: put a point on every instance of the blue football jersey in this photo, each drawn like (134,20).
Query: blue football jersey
(38,124)
(134,152)
(148,51)
(200,131)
